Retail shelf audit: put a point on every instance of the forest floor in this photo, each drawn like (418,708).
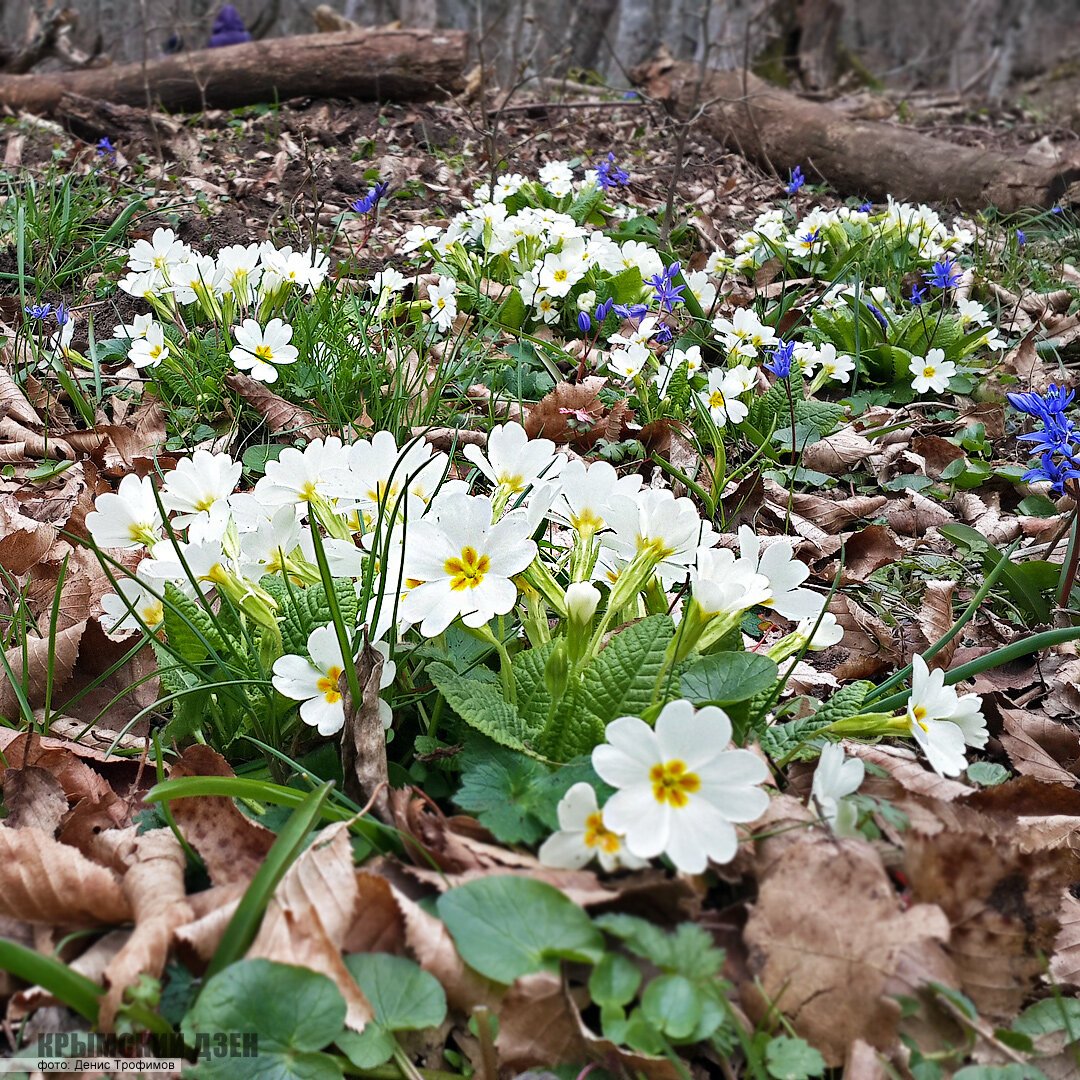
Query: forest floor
(730,691)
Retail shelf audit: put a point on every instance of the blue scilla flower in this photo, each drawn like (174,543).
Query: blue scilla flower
(866,207)
(1058,435)
(918,295)
(795,180)
(62,315)
(666,294)
(630,311)
(877,313)
(603,310)
(1056,470)
(39,311)
(944,274)
(1053,403)
(663,334)
(609,175)
(1021,238)
(368,203)
(584,322)
(105,147)
(782,356)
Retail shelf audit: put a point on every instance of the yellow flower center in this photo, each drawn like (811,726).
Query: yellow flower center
(560,275)
(716,400)
(155,351)
(205,503)
(383,489)
(307,492)
(587,522)
(918,714)
(328,685)
(655,546)
(153,612)
(467,570)
(513,482)
(672,784)
(929,371)
(264,352)
(598,835)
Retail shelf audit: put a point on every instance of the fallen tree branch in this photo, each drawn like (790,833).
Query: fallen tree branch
(397,65)
(857,157)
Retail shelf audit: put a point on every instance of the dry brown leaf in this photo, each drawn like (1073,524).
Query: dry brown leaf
(23,541)
(154,886)
(282,417)
(378,925)
(938,453)
(212,910)
(837,453)
(1065,963)
(863,1063)
(573,413)
(904,766)
(833,515)
(1027,756)
(869,550)
(34,799)
(363,738)
(44,881)
(936,619)
(230,844)
(310,914)
(45,660)
(915,514)
(869,645)
(828,936)
(1001,900)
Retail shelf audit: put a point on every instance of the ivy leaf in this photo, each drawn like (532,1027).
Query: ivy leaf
(792,1059)
(503,789)
(728,677)
(505,927)
(295,1013)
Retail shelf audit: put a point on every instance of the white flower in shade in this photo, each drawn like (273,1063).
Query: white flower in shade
(546,308)
(150,349)
(418,236)
(681,789)
(238,271)
(134,330)
(557,178)
(721,398)
(643,257)
(380,473)
(828,633)
(628,361)
(163,252)
(837,366)
(992,339)
(724,585)
(259,350)
(971,313)
(744,333)
(132,602)
(942,722)
(588,491)
(690,357)
(197,483)
(741,378)
(303,269)
(513,461)
(315,681)
(264,549)
(931,372)
(145,285)
(785,573)
(443,302)
(835,778)
(386,284)
(127,519)
(583,836)
(702,289)
(298,476)
(671,530)
(463,563)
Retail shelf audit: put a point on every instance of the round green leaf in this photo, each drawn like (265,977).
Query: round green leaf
(728,677)
(792,1059)
(672,1004)
(369,1048)
(293,1011)
(614,981)
(404,996)
(506,927)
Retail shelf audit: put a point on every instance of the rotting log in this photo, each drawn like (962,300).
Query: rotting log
(372,65)
(777,129)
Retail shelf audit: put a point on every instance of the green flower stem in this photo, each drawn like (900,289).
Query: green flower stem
(506,671)
(630,582)
(543,581)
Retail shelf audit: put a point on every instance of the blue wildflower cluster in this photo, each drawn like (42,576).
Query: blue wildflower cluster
(609,175)
(1057,443)
(666,294)
(795,180)
(944,274)
(781,359)
(368,203)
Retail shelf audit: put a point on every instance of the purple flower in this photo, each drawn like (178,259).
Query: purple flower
(62,315)
(782,356)
(866,207)
(39,311)
(368,203)
(609,175)
(918,295)
(795,180)
(1042,406)
(944,274)
(630,311)
(1057,210)
(228,29)
(663,334)
(584,322)
(603,310)
(1021,238)
(105,147)
(1054,470)
(877,313)
(665,293)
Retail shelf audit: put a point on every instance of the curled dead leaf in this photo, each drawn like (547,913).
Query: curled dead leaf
(837,453)
(282,417)
(45,662)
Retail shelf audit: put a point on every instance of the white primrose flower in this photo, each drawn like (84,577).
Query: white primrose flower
(134,330)
(238,271)
(992,339)
(627,361)
(724,585)
(744,333)
(690,357)
(546,308)
(418,236)
(721,398)
(133,601)
(943,722)
(147,285)
(971,313)
(557,178)
(443,302)
(835,778)
(828,633)
(316,681)
(258,350)
(784,572)
(149,349)
(588,492)
(379,474)
(583,836)
(560,272)
(298,476)
(264,549)
(198,483)
(463,565)
(681,790)
(127,519)
(836,366)
(386,284)
(163,253)
(931,372)
(701,288)
(513,461)
(643,257)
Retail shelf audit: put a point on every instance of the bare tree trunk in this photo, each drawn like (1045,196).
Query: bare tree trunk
(587,28)
(420,13)
(637,36)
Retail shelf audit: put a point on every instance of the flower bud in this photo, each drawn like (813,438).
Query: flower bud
(582,599)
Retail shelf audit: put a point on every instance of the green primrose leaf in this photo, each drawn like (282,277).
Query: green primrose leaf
(404,996)
(728,677)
